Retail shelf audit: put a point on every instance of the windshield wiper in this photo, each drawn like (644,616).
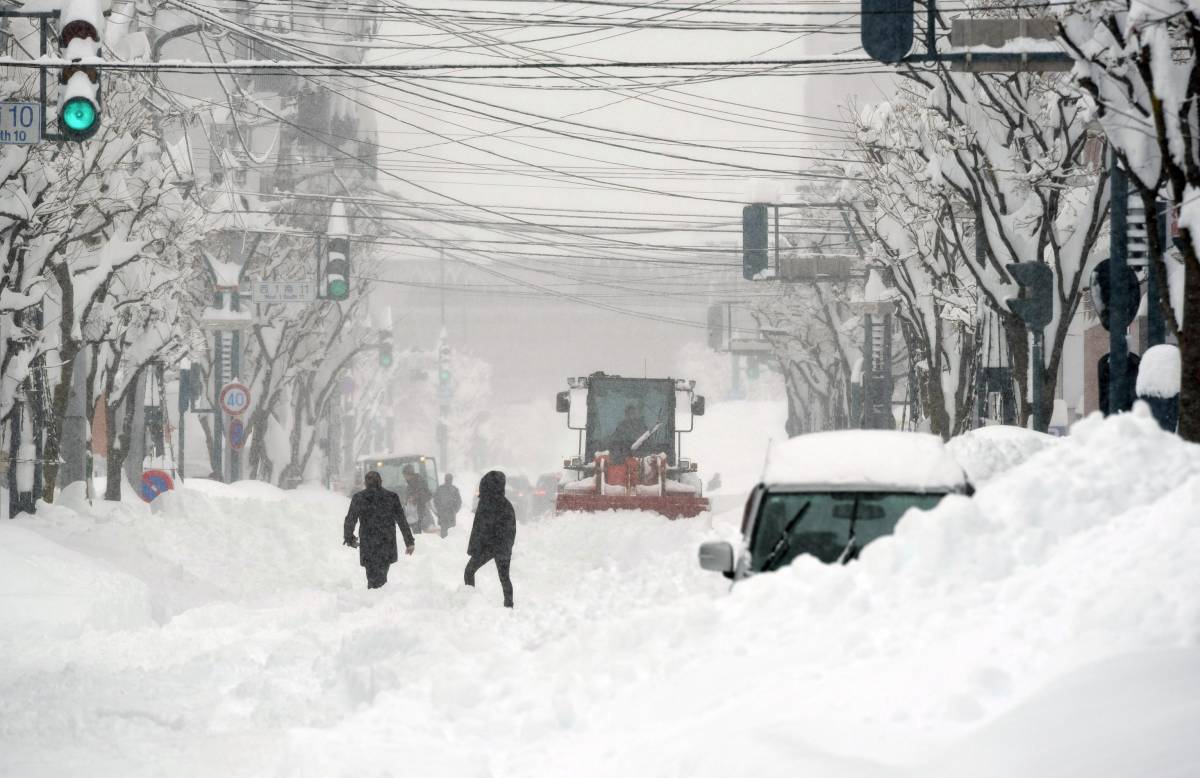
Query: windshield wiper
(851,550)
(784,542)
(637,443)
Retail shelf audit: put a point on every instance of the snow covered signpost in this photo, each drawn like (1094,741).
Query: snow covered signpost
(154,483)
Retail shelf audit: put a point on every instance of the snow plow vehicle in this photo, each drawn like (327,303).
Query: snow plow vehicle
(630,446)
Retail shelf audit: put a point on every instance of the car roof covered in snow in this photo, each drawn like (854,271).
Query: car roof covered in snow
(368,457)
(902,461)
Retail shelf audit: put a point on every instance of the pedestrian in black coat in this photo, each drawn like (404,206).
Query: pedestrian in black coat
(377,512)
(493,533)
(446,504)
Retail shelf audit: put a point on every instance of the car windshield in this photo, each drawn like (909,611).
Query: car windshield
(630,417)
(823,523)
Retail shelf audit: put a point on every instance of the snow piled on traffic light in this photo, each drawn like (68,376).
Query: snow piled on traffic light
(1047,626)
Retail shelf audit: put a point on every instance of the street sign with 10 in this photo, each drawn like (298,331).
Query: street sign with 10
(20,123)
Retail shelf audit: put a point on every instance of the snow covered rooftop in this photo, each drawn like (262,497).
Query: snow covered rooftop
(906,460)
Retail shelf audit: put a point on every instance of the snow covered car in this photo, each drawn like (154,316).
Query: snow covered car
(829,494)
(520,493)
(544,492)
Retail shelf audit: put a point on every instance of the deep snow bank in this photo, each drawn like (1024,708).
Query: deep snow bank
(987,452)
(46,589)
(1065,594)
(1086,553)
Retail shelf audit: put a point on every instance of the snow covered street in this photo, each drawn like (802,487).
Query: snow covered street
(1048,626)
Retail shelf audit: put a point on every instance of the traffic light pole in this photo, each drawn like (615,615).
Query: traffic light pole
(1156,322)
(1118,261)
(218,416)
(1037,370)
(182,430)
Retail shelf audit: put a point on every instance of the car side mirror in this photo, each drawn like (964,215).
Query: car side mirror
(698,405)
(562,402)
(717,555)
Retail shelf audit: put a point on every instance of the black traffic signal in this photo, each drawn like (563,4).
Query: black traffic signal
(716,327)
(1119,308)
(887,29)
(337,269)
(1035,305)
(755,239)
(79,82)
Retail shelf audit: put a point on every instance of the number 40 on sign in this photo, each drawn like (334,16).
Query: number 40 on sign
(235,398)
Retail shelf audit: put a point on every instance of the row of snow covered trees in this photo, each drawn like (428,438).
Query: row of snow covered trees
(963,173)
(111,254)
(98,265)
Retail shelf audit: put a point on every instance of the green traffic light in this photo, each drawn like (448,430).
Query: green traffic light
(444,376)
(385,360)
(79,115)
(339,288)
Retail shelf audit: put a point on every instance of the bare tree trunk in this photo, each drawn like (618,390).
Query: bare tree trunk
(51,454)
(118,445)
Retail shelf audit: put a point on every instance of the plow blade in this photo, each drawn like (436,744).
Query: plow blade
(671,506)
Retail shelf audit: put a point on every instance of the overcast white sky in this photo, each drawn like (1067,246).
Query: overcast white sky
(465,141)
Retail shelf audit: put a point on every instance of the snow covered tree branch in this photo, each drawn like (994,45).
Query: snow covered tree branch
(1012,151)
(1138,63)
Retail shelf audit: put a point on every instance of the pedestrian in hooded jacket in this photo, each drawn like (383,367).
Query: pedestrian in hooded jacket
(446,504)
(493,533)
(377,512)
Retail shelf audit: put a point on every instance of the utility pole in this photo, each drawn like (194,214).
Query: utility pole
(443,432)
(444,393)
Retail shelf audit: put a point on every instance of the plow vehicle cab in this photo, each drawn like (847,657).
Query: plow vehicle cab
(630,445)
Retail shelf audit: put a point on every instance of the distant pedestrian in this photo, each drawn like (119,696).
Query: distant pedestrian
(493,533)
(446,504)
(377,512)
(419,495)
